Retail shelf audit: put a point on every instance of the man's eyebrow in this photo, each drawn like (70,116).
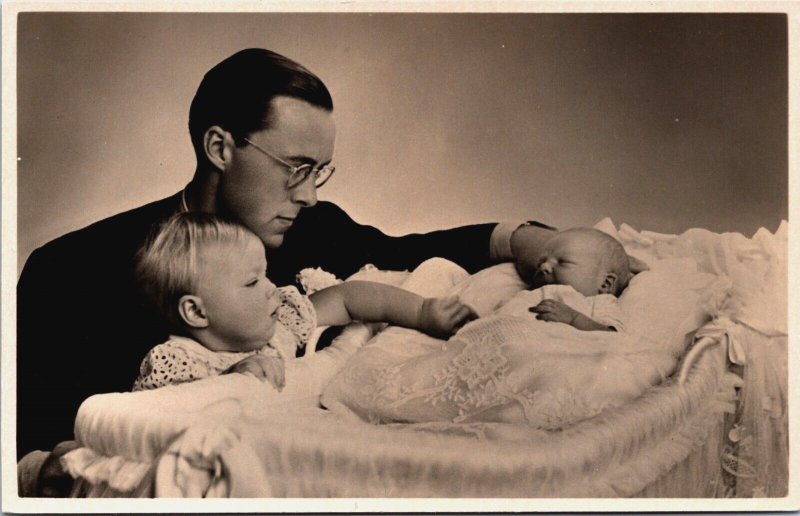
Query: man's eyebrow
(306,160)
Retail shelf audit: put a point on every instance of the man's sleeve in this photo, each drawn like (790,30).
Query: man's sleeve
(329,238)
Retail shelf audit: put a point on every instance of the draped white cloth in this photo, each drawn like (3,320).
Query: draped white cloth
(233,435)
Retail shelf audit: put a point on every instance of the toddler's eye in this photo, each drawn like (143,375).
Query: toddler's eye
(252,283)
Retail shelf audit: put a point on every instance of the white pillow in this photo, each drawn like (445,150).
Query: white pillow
(671,300)
(487,290)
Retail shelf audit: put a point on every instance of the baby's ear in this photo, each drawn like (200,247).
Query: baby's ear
(609,285)
(192,311)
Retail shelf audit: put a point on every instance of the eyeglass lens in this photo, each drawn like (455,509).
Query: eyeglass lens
(300,174)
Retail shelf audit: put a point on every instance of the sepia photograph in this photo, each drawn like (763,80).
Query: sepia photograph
(355,259)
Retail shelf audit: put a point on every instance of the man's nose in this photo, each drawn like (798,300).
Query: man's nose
(305,194)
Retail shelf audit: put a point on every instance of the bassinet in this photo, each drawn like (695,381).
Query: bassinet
(687,437)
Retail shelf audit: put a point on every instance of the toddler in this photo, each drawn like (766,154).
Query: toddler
(207,276)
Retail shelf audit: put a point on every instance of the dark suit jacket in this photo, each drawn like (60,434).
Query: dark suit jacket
(82,328)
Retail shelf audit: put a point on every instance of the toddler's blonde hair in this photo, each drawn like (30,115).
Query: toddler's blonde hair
(166,265)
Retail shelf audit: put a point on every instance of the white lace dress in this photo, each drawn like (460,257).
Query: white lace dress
(181,359)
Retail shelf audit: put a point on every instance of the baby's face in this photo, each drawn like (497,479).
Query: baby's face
(240,302)
(571,258)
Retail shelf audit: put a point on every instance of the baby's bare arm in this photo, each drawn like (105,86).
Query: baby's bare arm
(556,311)
(376,302)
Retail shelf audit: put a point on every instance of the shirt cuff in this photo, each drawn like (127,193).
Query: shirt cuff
(500,240)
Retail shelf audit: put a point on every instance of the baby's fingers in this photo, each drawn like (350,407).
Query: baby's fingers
(544,311)
(462,315)
(541,308)
(449,302)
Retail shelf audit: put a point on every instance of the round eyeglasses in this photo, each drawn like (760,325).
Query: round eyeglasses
(298,174)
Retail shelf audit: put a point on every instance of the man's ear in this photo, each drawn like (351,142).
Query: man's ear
(192,311)
(609,285)
(217,144)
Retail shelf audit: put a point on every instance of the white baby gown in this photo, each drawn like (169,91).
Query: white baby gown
(507,367)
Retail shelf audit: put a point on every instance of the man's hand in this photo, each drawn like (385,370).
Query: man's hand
(554,311)
(527,246)
(262,367)
(53,481)
(441,317)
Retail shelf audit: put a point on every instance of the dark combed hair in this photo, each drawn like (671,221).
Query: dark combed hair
(237,92)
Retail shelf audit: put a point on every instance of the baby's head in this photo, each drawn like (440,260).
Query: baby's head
(207,276)
(590,261)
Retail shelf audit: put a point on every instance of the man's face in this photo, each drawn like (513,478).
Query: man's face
(253,187)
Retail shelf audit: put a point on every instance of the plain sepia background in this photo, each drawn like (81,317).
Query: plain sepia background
(662,121)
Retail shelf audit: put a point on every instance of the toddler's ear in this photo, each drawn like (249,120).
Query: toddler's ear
(609,285)
(192,311)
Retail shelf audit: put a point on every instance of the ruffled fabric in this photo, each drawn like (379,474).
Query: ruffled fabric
(621,453)
(678,439)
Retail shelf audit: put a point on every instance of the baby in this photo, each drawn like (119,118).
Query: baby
(594,264)
(207,277)
(507,367)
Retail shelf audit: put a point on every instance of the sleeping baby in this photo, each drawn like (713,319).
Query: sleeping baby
(591,264)
(207,277)
(510,366)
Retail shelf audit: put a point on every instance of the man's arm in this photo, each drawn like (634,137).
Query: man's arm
(325,236)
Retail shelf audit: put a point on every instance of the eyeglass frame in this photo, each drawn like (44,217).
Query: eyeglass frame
(294,169)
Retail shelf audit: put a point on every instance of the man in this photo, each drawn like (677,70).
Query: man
(263,132)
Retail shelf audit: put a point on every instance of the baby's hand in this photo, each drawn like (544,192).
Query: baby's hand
(262,367)
(554,311)
(441,316)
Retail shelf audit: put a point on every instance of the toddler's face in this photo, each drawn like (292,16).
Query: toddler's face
(571,258)
(239,300)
